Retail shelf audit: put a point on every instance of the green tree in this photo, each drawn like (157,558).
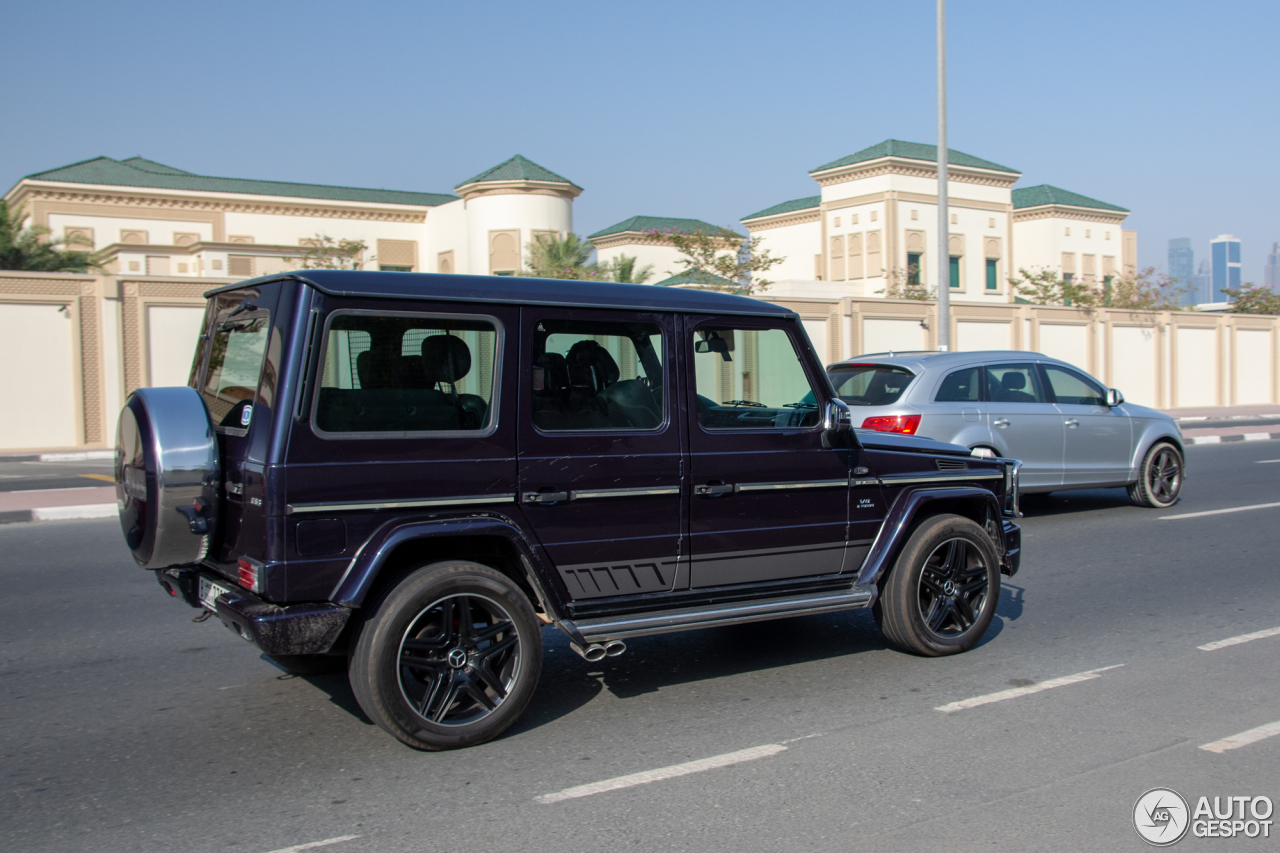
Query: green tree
(326,253)
(1253,299)
(905,284)
(553,256)
(1146,290)
(622,269)
(31,248)
(711,258)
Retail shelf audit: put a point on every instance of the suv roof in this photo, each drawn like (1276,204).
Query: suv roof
(938,359)
(524,291)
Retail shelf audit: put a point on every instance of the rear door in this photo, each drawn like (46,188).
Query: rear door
(769,500)
(1025,425)
(601,472)
(1098,440)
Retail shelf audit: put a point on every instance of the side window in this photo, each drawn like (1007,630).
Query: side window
(406,373)
(235,366)
(1073,389)
(591,375)
(960,386)
(751,379)
(1014,383)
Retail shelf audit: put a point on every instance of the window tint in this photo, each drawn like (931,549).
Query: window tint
(1014,383)
(1073,389)
(960,386)
(406,374)
(869,384)
(235,366)
(751,379)
(589,375)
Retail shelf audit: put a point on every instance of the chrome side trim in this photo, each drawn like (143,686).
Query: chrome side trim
(424,503)
(898,479)
(865,481)
(668,621)
(800,484)
(627,492)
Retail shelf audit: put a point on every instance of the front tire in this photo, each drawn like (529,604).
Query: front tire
(449,657)
(1159,479)
(941,594)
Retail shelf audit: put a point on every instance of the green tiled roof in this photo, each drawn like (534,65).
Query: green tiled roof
(787,207)
(914,151)
(138,172)
(518,169)
(689,278)
(660,223)
(1046,194)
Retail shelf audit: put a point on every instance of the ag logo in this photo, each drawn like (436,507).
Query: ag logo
(1161,817)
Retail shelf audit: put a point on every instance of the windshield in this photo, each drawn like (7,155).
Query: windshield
(869,384)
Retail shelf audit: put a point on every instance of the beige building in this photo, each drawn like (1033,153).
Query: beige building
(875,219)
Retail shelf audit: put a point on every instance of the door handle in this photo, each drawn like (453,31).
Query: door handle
(714,490)
(545,497)
(1001,422)
(1071,422)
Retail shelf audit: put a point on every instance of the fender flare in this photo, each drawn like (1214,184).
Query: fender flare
(359,577)
(902,514)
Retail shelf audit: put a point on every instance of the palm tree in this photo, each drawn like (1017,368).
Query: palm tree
(622,269)
(32,250)
(553,256)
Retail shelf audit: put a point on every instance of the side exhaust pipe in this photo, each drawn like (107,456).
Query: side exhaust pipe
(592,653)
(613,648)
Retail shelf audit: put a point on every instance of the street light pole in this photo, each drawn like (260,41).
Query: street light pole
(944,219)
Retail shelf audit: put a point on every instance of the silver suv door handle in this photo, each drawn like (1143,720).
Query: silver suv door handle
(1071,422)
(1001,422)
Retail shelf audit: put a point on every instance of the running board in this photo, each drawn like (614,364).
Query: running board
(691,618)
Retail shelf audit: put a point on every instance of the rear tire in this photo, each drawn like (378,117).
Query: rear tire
(1159,478)
(941,594)
(449,657)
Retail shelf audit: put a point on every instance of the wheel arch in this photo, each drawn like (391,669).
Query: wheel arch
(912,507)
(1150,439)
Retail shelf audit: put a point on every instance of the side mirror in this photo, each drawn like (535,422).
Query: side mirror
(837,418)
(1114,397)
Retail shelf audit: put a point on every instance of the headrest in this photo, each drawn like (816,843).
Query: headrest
(591,367)
(446,358)
(555,372)
(1013,381)
(374,370)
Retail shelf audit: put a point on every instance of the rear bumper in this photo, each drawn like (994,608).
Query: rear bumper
(1012,559)
(295,629)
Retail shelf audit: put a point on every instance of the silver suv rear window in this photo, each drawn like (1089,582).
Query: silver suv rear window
(869,384)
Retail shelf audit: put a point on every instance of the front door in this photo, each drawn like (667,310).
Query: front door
(769,500)
(1098,439)
(1024,424)
(600,448)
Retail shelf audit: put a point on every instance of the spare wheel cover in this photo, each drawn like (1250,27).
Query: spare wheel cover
(166,461)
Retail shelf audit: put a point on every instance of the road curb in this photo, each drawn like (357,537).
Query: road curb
(58,513)
(1223,439)
(69,456)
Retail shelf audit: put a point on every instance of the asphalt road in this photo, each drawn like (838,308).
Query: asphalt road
(23,476)
(123,726)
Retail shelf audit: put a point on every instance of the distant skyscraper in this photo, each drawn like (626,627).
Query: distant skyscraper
(1272,272)
(1203,283)
(1225,252)
(1182,265)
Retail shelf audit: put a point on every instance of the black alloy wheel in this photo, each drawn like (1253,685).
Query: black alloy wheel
(1160,478)
(448,657)
(459,659)
(941,594)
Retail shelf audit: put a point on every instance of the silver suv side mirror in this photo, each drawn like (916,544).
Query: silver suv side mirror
(1114,397)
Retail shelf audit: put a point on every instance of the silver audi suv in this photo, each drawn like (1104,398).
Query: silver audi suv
(1069,430)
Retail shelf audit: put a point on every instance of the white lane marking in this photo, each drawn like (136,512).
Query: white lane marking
(1243,739)
(311,845)
(57,513)
(1243,638)
(1218,511)
(661,773)
(1257,436)
(1015,692)
(1267,461)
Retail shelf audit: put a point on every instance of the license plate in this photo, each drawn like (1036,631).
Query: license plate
(209,592)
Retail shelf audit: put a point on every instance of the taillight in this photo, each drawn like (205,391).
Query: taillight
(904,424)
(250,574)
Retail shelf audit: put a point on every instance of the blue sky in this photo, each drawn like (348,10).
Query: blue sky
(704,109)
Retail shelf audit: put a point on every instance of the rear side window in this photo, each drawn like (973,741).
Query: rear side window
(870,384)
(235,367)
(1014,383)
(961,386)
(589,376)
(397,374)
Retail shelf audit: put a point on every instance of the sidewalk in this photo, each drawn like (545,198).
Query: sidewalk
(1211,424)
(54,504)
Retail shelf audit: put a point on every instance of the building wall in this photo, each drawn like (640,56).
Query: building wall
(1065,245)
(664,259)
(520,214)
